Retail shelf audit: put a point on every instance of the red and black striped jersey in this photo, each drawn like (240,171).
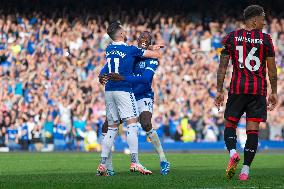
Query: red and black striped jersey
(248,51)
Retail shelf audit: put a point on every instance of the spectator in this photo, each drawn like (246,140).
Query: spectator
(210,131)
(91,139)
(36,138)
(278,138)
(276,129)
(48,130)
(188,133)
(59,133)
(12,138)
(23,134)
(80,122)
(2,130)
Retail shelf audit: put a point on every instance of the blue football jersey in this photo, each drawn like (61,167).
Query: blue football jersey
(59,132)
(24,129)
(120,59)
(12,134)
(144,67)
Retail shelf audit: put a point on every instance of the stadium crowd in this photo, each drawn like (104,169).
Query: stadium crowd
(50,97)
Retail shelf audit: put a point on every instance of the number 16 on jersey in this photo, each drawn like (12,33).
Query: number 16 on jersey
(116,64)
(249,57)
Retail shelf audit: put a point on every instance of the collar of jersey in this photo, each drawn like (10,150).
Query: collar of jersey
(119,43)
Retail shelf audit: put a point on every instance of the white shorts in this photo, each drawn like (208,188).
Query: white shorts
(120,105)
(145,105)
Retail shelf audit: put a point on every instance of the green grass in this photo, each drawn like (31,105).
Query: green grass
(77,170)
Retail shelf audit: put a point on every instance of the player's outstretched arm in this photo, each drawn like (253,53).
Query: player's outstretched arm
(224,61)
(272,73)
(156,47)
(152,54)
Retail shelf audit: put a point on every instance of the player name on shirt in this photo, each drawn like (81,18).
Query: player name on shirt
(249,40)
(116,52)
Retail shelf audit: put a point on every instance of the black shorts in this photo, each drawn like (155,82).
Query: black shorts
(254,106)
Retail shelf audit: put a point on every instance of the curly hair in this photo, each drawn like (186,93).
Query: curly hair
(252,11)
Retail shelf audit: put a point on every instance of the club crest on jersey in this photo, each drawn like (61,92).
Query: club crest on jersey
(142,65)
(154,62)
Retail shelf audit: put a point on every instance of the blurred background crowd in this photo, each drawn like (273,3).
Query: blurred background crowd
(51,53)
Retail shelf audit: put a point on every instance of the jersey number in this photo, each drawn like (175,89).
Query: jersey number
(249,57)
(148,104)
(116,64)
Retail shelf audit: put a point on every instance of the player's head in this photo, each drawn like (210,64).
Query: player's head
(116,32)
(254,16)
(144,40)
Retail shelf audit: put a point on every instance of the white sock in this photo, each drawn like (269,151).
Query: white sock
(152,134)
(132,140)
(134,158)
(108,143)
(232,152)
(109,159)
(245,169)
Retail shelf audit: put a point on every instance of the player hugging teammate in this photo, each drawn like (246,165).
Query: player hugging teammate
(251,51)
(128,77)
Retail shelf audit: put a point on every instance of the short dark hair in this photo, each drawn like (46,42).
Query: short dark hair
(145,34)
(252,11)
(113,28)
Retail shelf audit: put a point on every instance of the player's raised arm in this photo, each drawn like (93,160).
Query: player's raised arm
(152,54)
(139,52)
(156,47)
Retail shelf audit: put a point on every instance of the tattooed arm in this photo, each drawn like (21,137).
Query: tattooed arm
(219,99)
(224,60)
(272,73)
(221,73)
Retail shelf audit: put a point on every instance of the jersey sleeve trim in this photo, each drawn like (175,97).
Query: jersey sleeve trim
(148,68)
(226,44)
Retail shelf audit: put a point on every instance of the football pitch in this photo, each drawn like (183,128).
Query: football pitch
(188,170)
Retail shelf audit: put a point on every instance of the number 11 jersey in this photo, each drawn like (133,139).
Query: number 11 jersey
(120,59)
(248,51)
